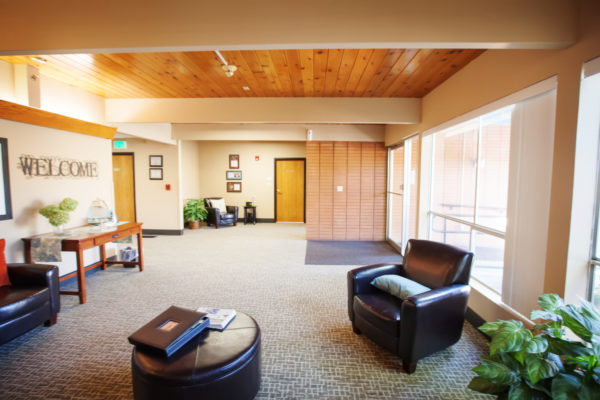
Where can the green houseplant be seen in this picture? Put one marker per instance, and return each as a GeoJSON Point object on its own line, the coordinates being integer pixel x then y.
{"type": "Point", "coordinates": [59, 215]}
{"type": "Point", "coordinates": [194, 212]}
{"type": "Point", "coordinates": [543, 363]}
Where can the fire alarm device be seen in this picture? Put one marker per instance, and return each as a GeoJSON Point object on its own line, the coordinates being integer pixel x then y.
{"type": "Point", "coordinates": [168, 186]}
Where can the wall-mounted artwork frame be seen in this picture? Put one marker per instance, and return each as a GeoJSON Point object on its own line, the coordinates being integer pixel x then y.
{"type": "Point", "coordinates": [5, 199]}
{"type": "Point", "coordinates": [234, 161]}
{"type": "Point", "coordinates": [233, 175]}
{"type": "Point", "coordinates": [156, 160]}
{"type": "Point", "coordinates": [234, 187]}
{"type": "Point", "coordinates": [156, 174]}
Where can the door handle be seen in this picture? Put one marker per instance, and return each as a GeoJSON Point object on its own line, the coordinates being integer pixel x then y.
{"type": "Point", "coordinates": [278, 191]}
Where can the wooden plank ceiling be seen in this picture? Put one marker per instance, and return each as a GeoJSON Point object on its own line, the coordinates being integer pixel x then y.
{"type": "Point", "coordinates": [267, 73]}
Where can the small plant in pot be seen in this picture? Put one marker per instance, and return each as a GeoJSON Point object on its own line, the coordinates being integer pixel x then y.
{"type": "Point", "coordinates": [58, 216]}
{"type": "Point", "coordinates": [194, 212]}
{"type": "Point", "coordinates": [543, 363]}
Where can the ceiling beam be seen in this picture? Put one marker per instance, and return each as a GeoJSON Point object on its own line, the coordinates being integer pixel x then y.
{"type": "Point", "coordinates": [72, 26]}
{"type": "Point", "coordinates": [285, 110]}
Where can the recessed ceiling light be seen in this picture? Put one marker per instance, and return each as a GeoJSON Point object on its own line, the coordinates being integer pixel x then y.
{"type": "Point", "coordinates": [39, 59]}
{"type": "Point", "coordinates": [245, 88]}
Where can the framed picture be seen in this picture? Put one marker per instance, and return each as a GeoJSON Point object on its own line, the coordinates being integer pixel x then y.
{"type": "Point", "coordinates": [234, 186]}
{"type": "Point", "coordinates": [5, 202]}
{"type": "Point", "coordinates": [234, 161]}
{"type": "Point", "coordinates": [156, 174]}
{"type": "Point", "coordinates": [156, 161]}
{"type": "Point", "coordinates": [233, 175]}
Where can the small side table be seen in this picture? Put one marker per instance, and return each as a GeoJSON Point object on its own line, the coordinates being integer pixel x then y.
{"type": "Point", "coordinates": [249, 214]}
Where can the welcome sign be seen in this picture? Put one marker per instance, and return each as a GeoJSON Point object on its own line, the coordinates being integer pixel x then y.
{"type": "Point", "coordinates": [55, 167]}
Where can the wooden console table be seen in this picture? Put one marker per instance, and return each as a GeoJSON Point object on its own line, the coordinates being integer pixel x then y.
{"type": "Point", "coordinates": [85, 238]}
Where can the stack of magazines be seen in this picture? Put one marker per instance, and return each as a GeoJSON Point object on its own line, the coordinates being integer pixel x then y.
{"type": "Point", "coordinates": [169, 331]}
{"type": "Point", "coordinates": [218, 318]}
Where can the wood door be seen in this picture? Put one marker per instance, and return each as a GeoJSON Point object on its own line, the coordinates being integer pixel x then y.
{"type": "Point", "coordinates": [124, 184]}
{"type": "Point", "coordinates": [289, 190]}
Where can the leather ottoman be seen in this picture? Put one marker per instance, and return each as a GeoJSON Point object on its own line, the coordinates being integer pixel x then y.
{"type": "Point", "coordinates": [215, 365]}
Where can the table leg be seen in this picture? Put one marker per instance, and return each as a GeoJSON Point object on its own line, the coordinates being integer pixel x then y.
{"type": "Point", "coordinates": [81, 276]}
{"type": "Point", "coordinates": [28, 259]}
{"type": "Point", "coordinates": [103, 256]}
{"type": "Point", "coordinates": [140, 250]}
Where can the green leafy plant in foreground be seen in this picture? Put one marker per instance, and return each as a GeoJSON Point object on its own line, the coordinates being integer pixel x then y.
{"type": "Point", "coordinates": [542, 363]}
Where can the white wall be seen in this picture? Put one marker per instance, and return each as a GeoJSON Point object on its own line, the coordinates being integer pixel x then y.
{"type": "Point", "coordinates": [156, 207]}
{"type": "Point", "coordinates": [190, 171]}
{"type": "Point", "coordinates": [156, 132]}
{"type": "Point", "coordinates": [278, 132]}
{"type": "Point", "coordinates": [7, 88]}
{"type": "Point", "coordinates": [257, 176]}
{"type": "Point", "coordinates": [68, 100]}
{"type": "Point", "coordinates": [285, 110]}
{"type": "Point", "coordinates": [29, 194]}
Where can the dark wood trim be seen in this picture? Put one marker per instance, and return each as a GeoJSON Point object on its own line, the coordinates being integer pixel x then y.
{"type": "Point", "coordinates": [132, 154]}
{"type": "Point", "coordinates": [6, 183]}
{"type": "Point", "coordinates": [171, 232]}
{"type": "Point", "coordinates": [275, 185]}
{"type": "Point", "coordinates": [267, 220]}
{"type": "Point", "coordinates": [475, 319]}
{"type": "Point", "coordinates": [35, 116]}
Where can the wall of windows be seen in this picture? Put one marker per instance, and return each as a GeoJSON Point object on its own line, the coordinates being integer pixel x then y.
{"type": "Point", "coordinates": [485, 187]}
{"type": "Point", "coordinates": [583, 266]}
{"type": "Point", "coordinates": [403, 163]}
{"type": "Point", "coordinates": [469, 191]}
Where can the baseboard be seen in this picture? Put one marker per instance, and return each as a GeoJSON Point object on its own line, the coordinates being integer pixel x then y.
{"type": "Point", "coordinates": [172, 232]}
{"type": "Point", "coordinates": [475, 319]}
{"type": "Point", "coordinates": [271, 220]}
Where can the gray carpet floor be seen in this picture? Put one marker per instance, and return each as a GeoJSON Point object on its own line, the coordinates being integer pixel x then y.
{"type": "Point", "coordinates": [350, 253]}
{"type": "Point", "coordinates": [308, 348]}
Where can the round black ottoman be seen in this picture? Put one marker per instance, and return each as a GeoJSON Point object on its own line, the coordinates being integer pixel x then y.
{"type": "Point", "coordinates": [216, 365]}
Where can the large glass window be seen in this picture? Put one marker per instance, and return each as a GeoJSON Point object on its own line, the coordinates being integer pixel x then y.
{"type": "Point", "coordinates": [469, 191]}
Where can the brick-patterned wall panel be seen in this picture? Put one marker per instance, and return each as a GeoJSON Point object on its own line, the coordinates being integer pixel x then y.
{"type": "Point", "coordinates": [312, 191]}
{"type": "Point", "coordinates": [340, 173]}
{"type": "Point", "coordinates": [326, 191]}
{"type": "Point", "coordinates": [367, 191]}
{"type": "Point", "coordinates": [353, 192]}
{"type": "Point", "coordinates": [358, 212]}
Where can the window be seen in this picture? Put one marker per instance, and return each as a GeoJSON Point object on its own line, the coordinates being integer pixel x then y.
{"type": "Point", "coordinates": [594, 291]}
{"type": "Point", "coordinates": [402, 192]}
{"type": "Point", "coordinates": [469, 191]}
{"type": "Point", "coordinates": [486, 180]}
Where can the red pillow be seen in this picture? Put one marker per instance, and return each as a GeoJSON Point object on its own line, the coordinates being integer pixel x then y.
{"type": "Point", "coordinates": [4, 281]}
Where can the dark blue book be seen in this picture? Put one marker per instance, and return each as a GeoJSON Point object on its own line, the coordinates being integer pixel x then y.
{"type": "Point", "coordinates": [169, 331]}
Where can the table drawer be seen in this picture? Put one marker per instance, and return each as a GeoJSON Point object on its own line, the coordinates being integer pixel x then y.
{"type": "Point", "coordinates": [109, 237]}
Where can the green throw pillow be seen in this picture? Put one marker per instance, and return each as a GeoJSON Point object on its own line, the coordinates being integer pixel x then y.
{"type": "Point", "coordinates": [399, 286]}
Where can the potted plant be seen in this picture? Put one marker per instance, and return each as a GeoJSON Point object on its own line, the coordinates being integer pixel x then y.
{"type": "Point", "coordinates": [543, 362]}
{"type": "Point", "coordinates": [58, 216]}
{"type": "Point", "coordinates": [194, 212]}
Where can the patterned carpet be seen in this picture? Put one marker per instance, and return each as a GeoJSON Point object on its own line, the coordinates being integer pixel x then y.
{"type": "Point", "coordinates": [308, 348]}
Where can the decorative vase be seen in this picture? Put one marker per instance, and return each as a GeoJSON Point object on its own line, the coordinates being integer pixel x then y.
{"type": "Point", "coordinates": [59, 229]}
{"type": "Point", "coordinates": [193, 224]}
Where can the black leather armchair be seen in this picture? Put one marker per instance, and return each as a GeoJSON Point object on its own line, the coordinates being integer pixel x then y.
{"type": "Point", "coordinates": [32, 299]}
{"type": "Point", "coordinates": [218, 217]}
{"type": "Point", "coordinates": [424, 323]}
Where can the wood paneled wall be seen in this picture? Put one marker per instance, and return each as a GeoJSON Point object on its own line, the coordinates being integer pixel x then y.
{"type": "Point", "coordinates": [359, 211]}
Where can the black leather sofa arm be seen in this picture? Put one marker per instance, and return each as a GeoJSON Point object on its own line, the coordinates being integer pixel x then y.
{"type": "Point", "coordinates": [433, 320]}
{"type": "Point", "coordinates": [439, 295]}
{"type": "Point", "coordinates": [232, 209]}
{"type": "Point", "coordinates": [213, 211]}
{"type": "Point", "coordinates": [37, 275]}
{"type": "Point", "coordinates": [359, 280]}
